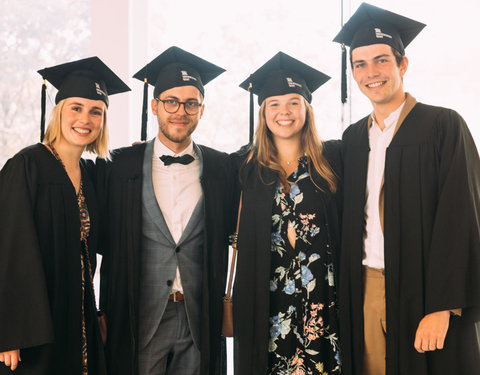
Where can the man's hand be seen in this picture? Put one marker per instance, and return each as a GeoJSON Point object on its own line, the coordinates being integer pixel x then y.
{"type": "Point", "coordinates": [11, 358]}
{"type": "Point", "coordinates": [431, 331]}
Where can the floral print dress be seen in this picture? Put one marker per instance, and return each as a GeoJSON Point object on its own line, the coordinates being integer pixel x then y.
{"type": "Point", "coordinates": [303, 312]}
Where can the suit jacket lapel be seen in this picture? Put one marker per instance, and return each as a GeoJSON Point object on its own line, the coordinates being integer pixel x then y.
{"type": "Point", "coordinates": [199, 208]}
{"type": "Point", "coordinates": [148, 194]}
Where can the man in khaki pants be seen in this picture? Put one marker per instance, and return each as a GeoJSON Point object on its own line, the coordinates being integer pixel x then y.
{"type": "Point", "coordinates": [410, 268]}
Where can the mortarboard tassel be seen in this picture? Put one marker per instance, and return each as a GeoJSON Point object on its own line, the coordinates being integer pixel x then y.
{"type": "Point", "coordinates": [143, 135]}
{"type": "Point", "coordinates": [344, 74]}
{"type": "Point", "coordinates": [42, 106]}
{"type": "Point", "coordinates": [250, 135]}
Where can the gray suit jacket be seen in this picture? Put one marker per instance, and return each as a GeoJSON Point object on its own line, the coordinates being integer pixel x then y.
{"type": "Point", "coordinates": [160, 256]}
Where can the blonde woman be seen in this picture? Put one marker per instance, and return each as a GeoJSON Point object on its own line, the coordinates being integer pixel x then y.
{"type": "Point", "coordinates": [285, 312]}
{"type": "Point", "coordinates": [48, 232]}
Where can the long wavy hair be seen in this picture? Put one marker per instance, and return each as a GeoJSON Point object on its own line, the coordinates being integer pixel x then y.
{"type": "Point", "coordinates": [267, 154]}
{"type": "Point", "coordinates": [54, 131]}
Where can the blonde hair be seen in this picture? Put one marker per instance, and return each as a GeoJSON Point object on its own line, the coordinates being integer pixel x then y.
{"type": "Point", "coordinates": [54, 132]}
{"type": "Point", "coordinates": [267, 153]}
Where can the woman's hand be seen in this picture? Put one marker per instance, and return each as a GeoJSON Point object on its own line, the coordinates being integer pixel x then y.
{"type": "Point", "coordinates": [11, 358]}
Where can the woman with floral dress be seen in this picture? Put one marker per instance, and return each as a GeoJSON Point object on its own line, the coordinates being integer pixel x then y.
{"type": "Point", "coordinates": [285, 312]}
{"type": "Point", "coordinates": [49, 232]}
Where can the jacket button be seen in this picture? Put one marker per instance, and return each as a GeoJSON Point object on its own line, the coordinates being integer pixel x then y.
{"type": "Point", "coordinates": [169, 282]}
{"type": "Point", "coordinates": [177, 249]}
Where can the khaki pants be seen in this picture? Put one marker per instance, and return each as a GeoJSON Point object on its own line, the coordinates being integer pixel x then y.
{"type": "Point", "coordinates": [375, 323]}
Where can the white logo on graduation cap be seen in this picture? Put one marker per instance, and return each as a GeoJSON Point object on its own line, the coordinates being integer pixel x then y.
{"type": "Point", "coordinates": [186, 76]}
{"type": "Point", "coordinates": [291, 83]}
{"type": "Point", "coordinates": [99, 90]}
{"type": "Point", "coordinates": [380, 35]}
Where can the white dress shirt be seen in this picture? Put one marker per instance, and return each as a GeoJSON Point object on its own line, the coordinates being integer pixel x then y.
{"type": "Point", "coordinates": [177, 189]}
{"type": "Point", "coordinates": [373, 240]}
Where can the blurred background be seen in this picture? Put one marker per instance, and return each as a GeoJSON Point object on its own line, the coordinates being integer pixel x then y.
{"type": "Point", "coordinates": [237, 35]}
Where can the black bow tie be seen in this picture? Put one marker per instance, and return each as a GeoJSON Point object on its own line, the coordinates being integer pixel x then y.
{"type": "Point", "coordinates": [185, 159]}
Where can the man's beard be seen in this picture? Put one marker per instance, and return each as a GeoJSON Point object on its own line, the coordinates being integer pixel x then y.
{"type": "Point", "coordinates": [172, 135]}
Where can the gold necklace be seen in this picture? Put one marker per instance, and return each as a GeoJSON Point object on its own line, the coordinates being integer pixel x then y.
{"type": "Point", "coordinates": [291, 161]}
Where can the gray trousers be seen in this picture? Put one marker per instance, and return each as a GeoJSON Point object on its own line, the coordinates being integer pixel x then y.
{"type": "Point", "coordinates": [171, 350]}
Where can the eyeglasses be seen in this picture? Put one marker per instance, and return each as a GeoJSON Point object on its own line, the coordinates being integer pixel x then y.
{"type": "Point", "coordinates": [172, 106]}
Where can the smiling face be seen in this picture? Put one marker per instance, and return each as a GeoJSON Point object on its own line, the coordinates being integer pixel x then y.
{"type": "Point", "coordinates": [285, 115]}
{"type": "Point", "coordinates": [378, 75]}
{"type": "Point", "coordinates": [175, 129]}
{"type": "Point", "coordinates": [81, 121]}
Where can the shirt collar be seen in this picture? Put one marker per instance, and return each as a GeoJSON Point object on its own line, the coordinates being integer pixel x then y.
{"type": "Point", "coordinates": [391, 120]}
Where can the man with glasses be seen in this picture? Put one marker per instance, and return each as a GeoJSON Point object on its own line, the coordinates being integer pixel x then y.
{"type": "Point", "coordinates": [167, 219]}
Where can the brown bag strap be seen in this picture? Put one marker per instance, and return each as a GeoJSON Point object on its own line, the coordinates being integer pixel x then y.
{"type": "Point", "coordinates": [234, 253]}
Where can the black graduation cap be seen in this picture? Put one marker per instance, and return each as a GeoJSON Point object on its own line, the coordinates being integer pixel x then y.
{"type": "Point", "coordinates": [88, 78]}
{"type": "Point", "coordinates": [174, 68]}
{"type": "Point", "coordinates": [281, 75]}
{"type": "Point", "coordinates": [374, 25]}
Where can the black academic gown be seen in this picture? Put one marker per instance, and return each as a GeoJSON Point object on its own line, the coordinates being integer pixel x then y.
{"type": "Point", "coordinates": [251, 292]}
{"type": "Point", "coordinates": [40, 270]}
{"type": "Point", "coordinates": [120, 190]}
{"type": "Point", "coordinates": [432, 244]}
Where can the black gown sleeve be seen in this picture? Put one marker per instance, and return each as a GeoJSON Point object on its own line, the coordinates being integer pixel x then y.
{"type": "Point", "coordinates": [25, 317]}
{"type": "Point", "coordinates": [100, 180]}
{"type": "Point", "coordinates": [332, 150]}
{"type": "Point", "coordinates": [453, 271]}
{"type": "Point", "coordinates": [237, 162]}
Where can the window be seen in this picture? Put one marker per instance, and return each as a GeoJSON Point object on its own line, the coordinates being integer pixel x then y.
{"type": "Point", "coordinates": [35, 34]}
